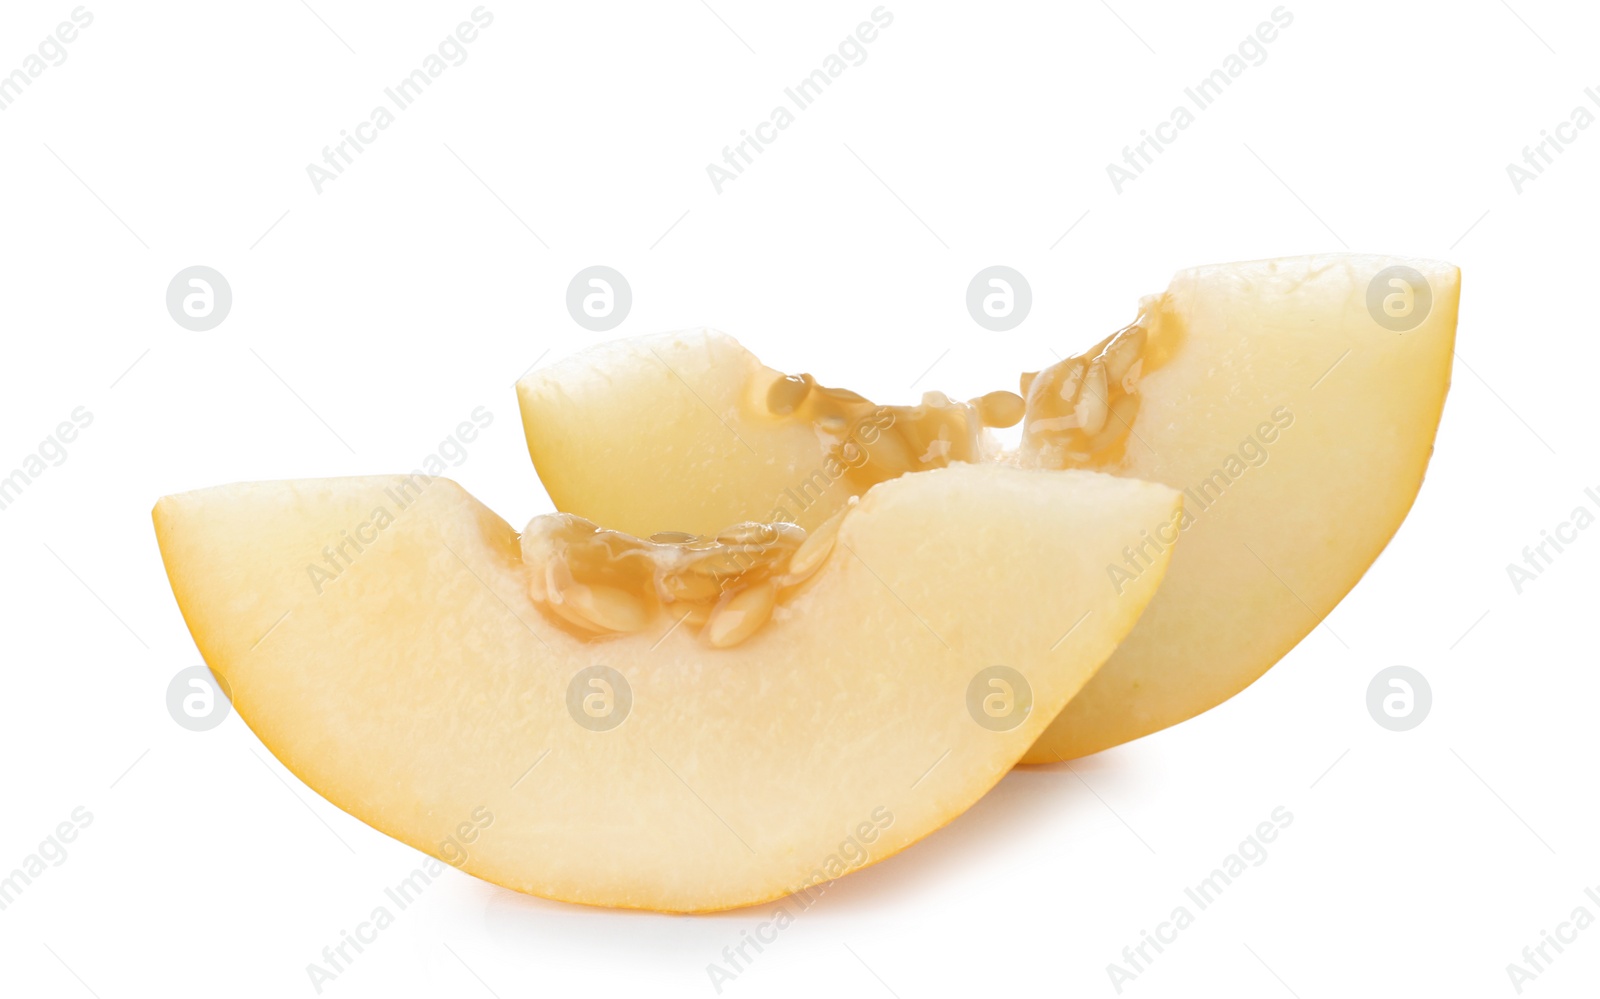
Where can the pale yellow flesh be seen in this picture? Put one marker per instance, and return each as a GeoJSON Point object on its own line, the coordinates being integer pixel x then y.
{"type": "Point", "coordinates": [671, 410]}
{"type": "Point", "coordinates": [653, 433]}
{"type": "Point", "coordinates": [420, 686]}
{"type": "Point", "coordinates": [1270, 552]}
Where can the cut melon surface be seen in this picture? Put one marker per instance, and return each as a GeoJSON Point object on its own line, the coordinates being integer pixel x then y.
{"type": "Point", "coordinates": [1292, 401]}
{"type": "Point", "coordinates": [705, 455]}
{"type": "Point", "coordinates": [383, 638]}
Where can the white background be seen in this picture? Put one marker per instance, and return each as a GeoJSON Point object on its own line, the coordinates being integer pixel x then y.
{"type": "Point", "coordinates": [370, 319]}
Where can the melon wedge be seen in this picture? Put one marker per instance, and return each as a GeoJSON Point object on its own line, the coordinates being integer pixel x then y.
{"type": "Point", "coordinates": [379, 636]}
{"type": "Point", "coordinates": [1293, 401]}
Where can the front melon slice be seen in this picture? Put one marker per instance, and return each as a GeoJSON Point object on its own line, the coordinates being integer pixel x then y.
{"type": "Point", "coordinates": [388, 641]}
{"type": "Point", "coordinates": [1292, 400]}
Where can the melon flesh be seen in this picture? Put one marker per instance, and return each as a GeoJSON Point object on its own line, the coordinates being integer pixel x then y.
{"type": "Point", "coordinates": [424, 692]}
{"type": "Point", "coordinates": [1283, 350]}
{"type": "Point", "coordinates": [672, 433]}
{"type": "Point", "coordinates": [663, 433]}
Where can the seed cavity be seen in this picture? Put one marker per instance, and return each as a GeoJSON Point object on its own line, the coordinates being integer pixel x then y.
{"type": "Point", "coordinates": [1080, 411]}
{"type": "Point", "coordinates": [871, 443]}
{"type": "Point", "coordinates": [1077, 413]}
{"type": "Point", "coordinates": [597, 584]}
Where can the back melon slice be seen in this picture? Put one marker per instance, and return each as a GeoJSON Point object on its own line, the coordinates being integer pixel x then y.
{"type": "Point", "coordinates": [395, 644]}
{"type": "Point", "coordinates": [1294, 402]}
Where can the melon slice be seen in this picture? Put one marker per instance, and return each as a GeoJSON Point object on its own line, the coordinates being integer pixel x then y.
{"type": "Point", "coordinates": [1294, 401]}
{"type": "Point", "coordinates": [517, 706]}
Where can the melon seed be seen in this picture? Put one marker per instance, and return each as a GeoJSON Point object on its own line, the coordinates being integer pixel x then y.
{"type": "Point", "coordinates": [740, 615]}
{"type": "Point", "coordinates": [1131, 379]}
{"type": "Point", "coordinates": [603, 608]}
{"type": "Point", "coordinates": [814, 551]}
{"type": "Point", "coordinates": [749, 533]}
{"type": "Point", "coordinates": [1123, 352]}
{"type": "Point", "coordinates": [1120, 421]}
{"type": "Point", "coordinates": [691, 587]}
{"type": "Point", "coordinates": [999, 409]}
{"type": "Point", "coordinates": [1091, 408]}
{"type": "Point", "coordinates": [673, 538]}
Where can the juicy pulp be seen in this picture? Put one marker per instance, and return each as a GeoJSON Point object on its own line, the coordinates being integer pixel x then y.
{"type": "Point", "coordinates": [416, 684]}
